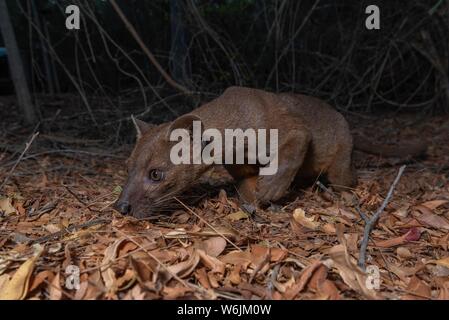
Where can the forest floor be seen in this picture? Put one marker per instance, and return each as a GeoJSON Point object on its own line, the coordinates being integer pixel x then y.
{"type": "Point", "coordinates": [56, 218]}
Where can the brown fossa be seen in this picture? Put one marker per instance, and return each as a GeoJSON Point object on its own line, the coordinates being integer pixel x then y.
{"type": "Point", "coordinates": [313, 140]}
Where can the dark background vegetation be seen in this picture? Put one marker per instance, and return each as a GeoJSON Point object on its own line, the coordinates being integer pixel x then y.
{"type": "Point", "coordinates": [99, 75]}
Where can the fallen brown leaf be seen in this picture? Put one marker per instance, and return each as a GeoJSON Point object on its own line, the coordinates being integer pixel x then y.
{"type": "Point", "coordinates": [351, 274]}
{"type": "Point", "coordinates": [213, 246]}
{"type": "Point", "coordinates": [17, 287]}
{"type": "Point", "coordinates": [301, 283]}
{"type": "Point", "coordinates": [411, 235]}
{"type": "Point", "coordinates": [6, 206]}
{"type": "Point", "coordinates": [54, 289]}
{"type": "Point", "coordinates": [427, 217]}
{"type": "Point", "coordinates": [434, 204]}
{"type": "Point", "coordinates": [299, 216]}
{"type": "Point", "coordinates": [239, 215]}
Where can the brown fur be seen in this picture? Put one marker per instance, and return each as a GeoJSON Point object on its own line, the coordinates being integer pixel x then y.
{"type": "Point", "coordinates": [314, 139]}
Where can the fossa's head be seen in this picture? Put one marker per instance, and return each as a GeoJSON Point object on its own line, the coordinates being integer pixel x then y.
{"type": "Point", "coordinates": [153, 179]}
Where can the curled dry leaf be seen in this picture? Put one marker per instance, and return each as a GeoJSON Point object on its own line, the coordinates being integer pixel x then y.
{"type": "Point", "coordinates": [185, 268]}
{"type": "Point", "coordinates": [143, 271]}
{"type": "Point", "coordinates": [234, 277]}
{"type": "Point", "coordinates": [213, 280]}
{"type": "Point", "coordinates": [318, 277]}
{"type": "Point", "coordinates": [107, 273]}
{"type": "Point", "coordinates": [412, 235]}
{"type": "Point", "coordinates": [6, 206]}
{"type": "Point", "coordinates": [351, 274]}
{"type": "Point", "coordinates": [283, 287]}
{"type": "Point", "coordinates": [299, 216]}
{"type": "Point", "coordinates": [212, 263]}
{"type": "Point", "coordinates": [53, 248]}
{"type": "Point", "coordinates": [128, 246]}
{"type": "Point", "coordinates": [324, 288]}
{"type": "Point", "coordinates": [39, 279]}
{"type": "Point", "coordinates": [17, 287]}
{"type": "Point", "coordinates": [402, 212]}
{"type": "Point", "coordinates": [201, 276]}
{"type": "Point", "coordinates": [301, 283]}
{"type": "Point", "coordinates": [328, 291]}
{"type": "Point", "coordinates": [126, 280]}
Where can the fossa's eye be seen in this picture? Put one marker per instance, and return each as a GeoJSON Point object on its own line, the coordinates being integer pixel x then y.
{"type": "Point", "coordinates": [156, 175]}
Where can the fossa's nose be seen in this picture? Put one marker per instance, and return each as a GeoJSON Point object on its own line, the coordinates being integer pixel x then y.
{"type": "Point", "coordinates": [123, 207]}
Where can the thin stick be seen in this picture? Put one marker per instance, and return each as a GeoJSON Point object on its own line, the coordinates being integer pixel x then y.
{"type": "Point", "coordinates": [370, 223]}
{"type": "Point", "coordinates": [147, 51]}
{"type": "Point", "coordinates": [326, 189]}
{"type": "Point", "coordinates": [69, 229]}
{"type": "Point", "coordinates": [208, 224]}
{"type": "Point", "coordinates": [27, 146]}
{"type": "Point", "coordinates": [85, 205]}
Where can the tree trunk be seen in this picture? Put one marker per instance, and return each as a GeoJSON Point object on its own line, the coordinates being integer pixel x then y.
{"type": "Point", "coordinates": [179, 60]}
{"type": "Point", "coordinates": [16, 66]}
{"type": "Point", "coordinates": [44, 50]}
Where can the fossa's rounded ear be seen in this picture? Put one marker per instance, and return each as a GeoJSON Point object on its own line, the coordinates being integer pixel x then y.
{"type": "Point", "coordinates": [183, 122]}
{"type": "Point", "coordinates": [141, 126]}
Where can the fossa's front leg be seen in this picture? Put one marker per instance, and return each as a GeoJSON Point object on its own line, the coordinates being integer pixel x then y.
{"type": "Point", "coordinates": [292, 149]}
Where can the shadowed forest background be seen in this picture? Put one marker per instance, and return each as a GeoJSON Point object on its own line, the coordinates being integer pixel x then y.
{"type": "Point", "coordinates": [321, 48]}
{"type": "Point", "coordinates": [66, 131]}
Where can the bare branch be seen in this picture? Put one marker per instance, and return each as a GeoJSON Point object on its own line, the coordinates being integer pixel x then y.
{"type": "Point", "coordinates": [370, 223]}
{"type": "Point", "coordinates": [27, 146]}
{"type": "Point", "coordinates": [147, 51]}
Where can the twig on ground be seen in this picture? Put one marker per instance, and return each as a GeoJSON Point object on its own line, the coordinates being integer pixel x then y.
{"type": "Point", "coordinates": [57, 235]}
{"type": "Point", "coordinates": [273, 279]}
{"type": "Point", "coordinates": [327, 190]}
{"type": "Point", "coordinates": [371, 222]}
{"type": "Point", "coordinates": [208, 224]}
{"type": "Point", "coordinates": [85, 205]}
{"type": "Point", "coordinates": [27, 146]}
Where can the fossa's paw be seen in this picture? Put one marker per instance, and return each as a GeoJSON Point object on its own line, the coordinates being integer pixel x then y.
{"type": "Point", "coordinates": [271, 188]}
